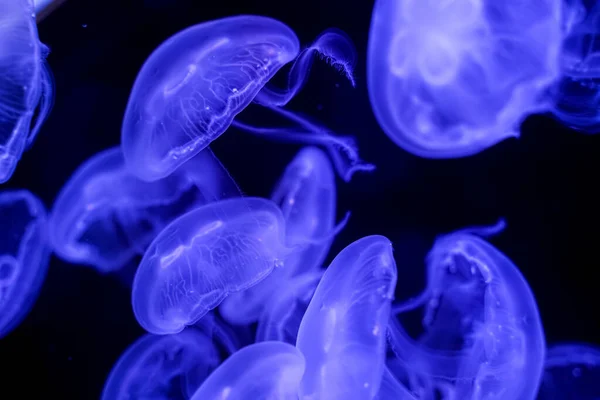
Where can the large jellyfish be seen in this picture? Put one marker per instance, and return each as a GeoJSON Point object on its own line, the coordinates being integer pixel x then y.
{"type": "Point", "coordinates": [204, 255]}
{"type": "Point", "coordinates": [343, 332]}
{"type": "Point", "coordinates": [104, 215]}
{"type": "Point", "coordinates": [306, 195]}
{"type": "Point", "coordinates": [261, 371]}
{"type": "Point", "coordinates": [572, 372]}
{"type": "Point", "coordinates": [482, 337]}
{"type": "Point", "coordinates": [450, 78]}
{"type": "Point", "coordinates": [577, 94]}
{"type": "Point", "coordinates": [24, 255]}
{"type": "Point", "coordinates": [193, 85]}
{"type": "Point", "coordinates": [26, 83]}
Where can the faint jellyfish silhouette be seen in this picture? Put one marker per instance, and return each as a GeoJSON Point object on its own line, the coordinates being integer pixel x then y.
{"type": "Point", "coordinates": [482, 335]}
{"type": "Point", "coordinates": [163, 367]}
{"type": "Point", "coordinates": [306, 194]}
{"type": "Point", "coordinates": [104, 215]}
{"type": "Point", "coordinates": [193, 85]}
{"type": "Point", "coordinates": [343, 332]}
{"type": "Point", "coordinates": [577, 94]}
{"type": "Point", "coordinates": [571, 371]}
{"type": "Point", "coordinates": [261, 371]}
{"type": "Point", "coordinates": [202, 257]}
{"type": "Point", "coordinates": [26, 83]}
{"type": "Point", "coordinates": [24, 255]}
{"type": "Point", "coordinates": [450, 78]}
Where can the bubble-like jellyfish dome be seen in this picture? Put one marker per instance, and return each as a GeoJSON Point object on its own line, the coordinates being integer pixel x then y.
{"type": "Point", "coordinates": [204, 255]}
{"type": "Point", "coordinates": [450, 78]}
{"type": "Point", "coordinates": [482, 337]}
{"type": "Point", "coordinates": [24, 255]}
{"type": "Point", "coordinates": [25, 83]}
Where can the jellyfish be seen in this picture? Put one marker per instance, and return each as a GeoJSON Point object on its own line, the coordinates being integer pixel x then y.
{"type": "Point", "coordinates": [280, 320]}
{"type": "Point", "coordinates": [193, 85]}
{"type": "Point", "coordinates": [163, 367]}
{"type": "Point", "coordinates": [571, 371]}
{"type": "Point", "coordinates": [577, 93]}
{"type": "Point", "coordinates": [26, 83]}
{"type": "Point", "coordinates": [343, 332]}
{"type": "Point", "coordinates": [306, 195]}
{"type": "Point", "coordinates": [481, 335]}
{"type": "Point", "coordinates": [104, 216]}
{"type": "Point", "coordinates": [261, 371]}
{"type": "Point", "coordinates": [450, 78]}
{"type": "Point", "coordinates": [24, 255]}
{"type": "Point", "coordinates": [201, 257]}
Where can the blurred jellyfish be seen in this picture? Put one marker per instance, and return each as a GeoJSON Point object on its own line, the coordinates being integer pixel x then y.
{"type": "Point", "coordinates": [192, 87]}
{"type": "Point", "coordinates": [577, 94]}
{"type": "Point", "coordinates": [24, 254]}
{"type": "Point", "coordinates": [572, 372]}
{"type": "Point", "coordinates": [450, 78]}
{"type": "Point", "coordinates": [482, 337]}
{"type": "Point", "coordinates": [163, 367]}
{"type": "Point", "coordinates": [104, 215]}
{"type": "Point", "coordinates": [343, 333]}
{"type": "Point", "coordinates": [306, 195]}
{"type": "Point", "coordinates": [261, 371]}
{"type": "Point", "coordinates": [202, 257]}
{"type": "Point", "coordinates": [26, 83]}
{"type": "Point", "coordinates": [281, 319]}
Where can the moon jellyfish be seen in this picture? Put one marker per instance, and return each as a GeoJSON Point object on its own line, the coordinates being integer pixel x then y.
{"type": "Point", "coordinates": [104, 215]}
{"type": "Point", "coordinates": [343, 333]}
{"type": "Point", "coordinates": [203, 256]}
{"type": "Point", "coordinates": [306, 195]}
{"type": "Point", "coordinates": [577, 94]}
{"type": "Point", "coordinates": [193, 85]}
{"type": "Point", "coordinates": [24, 255]}
{"type": "Point", "coordinates": [163, 367]}
{"type": "Point", "coordinates": [450, 78]}
{"type": "Point", "coordinates": [26, 83]}
{"type": "Point", "coordinates": [572, 372]}
{"type": "Point", "coordinates": [261, 371]}
{"type": "Point", "coordinates": [281, 319]}
{"type": "Point", "coordinates": [482, 337]}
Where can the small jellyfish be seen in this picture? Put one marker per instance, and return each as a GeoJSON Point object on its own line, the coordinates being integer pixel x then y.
{"type": "Point", "coordinates": [306, 195]}
{"type": "Point", "coordinates": [163, 367]}
{"type": "Point", "coordinates": [24, 255]}
{"type": "Point", "coordinates": [571, 372]}
{"type": "Point", "coordinates": [193, 85]}
{"type": "Point", "coordinates": [203, 256]}
{"type": "Point", "coordinates": [481, 334]}
{"type": "Point", "coordinates": [261, 371]}
{"type": "Point", "coordinates": [343, 332]}
{"type": "Point", "coordinates": [26, 83]}
{"type": "Point", "coordinates": [450, 78]}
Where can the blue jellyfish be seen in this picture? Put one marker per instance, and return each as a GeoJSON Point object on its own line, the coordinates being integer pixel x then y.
{"type": "Point", "coordinates": [577, 94]}
{"type": "Point", "coordinates": [192, 87]}
{"type": "Point", "coordinates": [196, 261]}
{"type": "Point", "coordinates": [306, 195]}
{"type": "Point", "coordinates": [26, 83]}
{"type": "Point", "coordinates": [280, 320]}
{"type": "Point", "coordinates": [482, 336]}
{"type": "Point", "coordinates": [163, 367]}
{"type": "Point", "coordinates": [24, 255]}
{"type": "Point", "coordinates": [343, 332]}
{"type": "Point", "coordinates": [104, 215]}
{"type": "Point", "coordinates": [571, 372]}
{"type": "Point", "coordinates": [450, 78]}
{"type": "Point", "coordinates": [261, 371]}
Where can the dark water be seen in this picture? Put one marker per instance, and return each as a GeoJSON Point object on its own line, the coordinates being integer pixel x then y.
{"type": "Point", "coordinates": [544, 184]}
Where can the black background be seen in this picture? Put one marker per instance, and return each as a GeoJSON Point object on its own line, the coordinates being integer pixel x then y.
{"type": "Point", "coordinates": [544, 184]}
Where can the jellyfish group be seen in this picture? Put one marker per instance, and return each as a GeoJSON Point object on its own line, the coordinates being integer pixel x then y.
{"type": "Point", "coordinates": [235, 290]}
